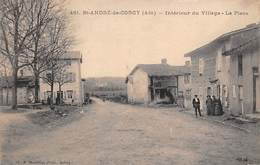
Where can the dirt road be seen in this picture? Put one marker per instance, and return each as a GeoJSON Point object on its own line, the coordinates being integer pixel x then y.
{"type": "Point", "coordinates": [115, 134]}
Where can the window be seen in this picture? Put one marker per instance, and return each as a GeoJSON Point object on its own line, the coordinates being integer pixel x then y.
{"type": "Point", "coordinates": [71, 77]}
{"type": "Point", "coordinates": [69, 94]}
{"type": "Point", "coordinates": [68, 62]}
{"type": "Point", "coordinates": [218, 90]}
{"type": "Point", "coordinates": [223, 49]}
{"type": "Point", "coordinates": [240, 90]}
{"type": "Point", "coordinates": [240, 65]}
{"type": "Point", "coordinates": [201, 66]}
{"type": "Point", "coordinates": [200, 91]}
{"type": "Point", "coordinates": [224, 91]}
{"type": "Point", "coordinates": [21, 73]}
{"type": "Point", "coordinates": [162, 93]}
{"type": "Point", "coordinates": [209, 91]}
{"type": "Point", "coordinates": [219, 62]}
{"type": "Point", "coordinates": [187, 78]}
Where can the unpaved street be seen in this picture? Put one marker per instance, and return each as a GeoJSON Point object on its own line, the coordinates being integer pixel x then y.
{"type": "Point", "coordinates": [115, 134]}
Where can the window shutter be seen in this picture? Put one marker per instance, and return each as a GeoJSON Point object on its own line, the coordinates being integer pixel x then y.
{"type": "Point", "coordinates": [234, 91]}
{"type": "Point", "coordinates": [201, 65]}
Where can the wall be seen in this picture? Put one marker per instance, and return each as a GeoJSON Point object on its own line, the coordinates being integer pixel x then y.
{"type": "Point", "coordinates": [23, 95]}
{"type": "Point", "coordinates": [186, 89]}
{"type": "Point", "coordinates": [215, 78]}
{"type": "Point", "coordinates": [137, 92]}
{"type": "Point", "coordinates": [76, 86]}
{"type": "Point", "coordinates": [250, 59]}
{"type": "Point", "coordinates": [200, 83]}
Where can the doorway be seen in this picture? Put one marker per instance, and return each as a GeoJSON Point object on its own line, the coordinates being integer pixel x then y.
{"type": "Point", "coordinates": [59, 97]}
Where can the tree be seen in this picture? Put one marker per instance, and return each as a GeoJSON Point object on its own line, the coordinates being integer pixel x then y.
{"type": "Point", "coordinates": [15, 37]}
{"type": "Point", "coordinates": [45, 13]}
{"type": "Point", "coordinates": [32, 33]}
{"type": "Point", "coordinates": [4, 76]}
{"type": "Point", "coordinates": [59, 43]}
{"type": "Point", "coordinates": [62, 77]}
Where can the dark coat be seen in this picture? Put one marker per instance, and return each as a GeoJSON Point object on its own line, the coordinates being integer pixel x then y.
{"type": "Point", "coordinates": [196, 103]}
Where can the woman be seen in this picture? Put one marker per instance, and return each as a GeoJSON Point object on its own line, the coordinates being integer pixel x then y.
{"type": "Point", "coordinates": [209, 105]}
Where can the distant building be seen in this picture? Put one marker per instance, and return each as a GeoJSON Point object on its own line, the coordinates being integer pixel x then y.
{"type": "Point", "coordinates": [105, 86]}
{"type": "Point", "coordinates": [215, 72]}
{"type": "Point", "coordinates": [71, 92]}
{"type": "Point", "coordinates": [153, 83]}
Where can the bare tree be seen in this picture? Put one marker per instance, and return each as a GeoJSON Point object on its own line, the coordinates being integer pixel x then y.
{"type": "Point", "coordinates": [32, 33]}
{"type": "Point", "coordinates": [62, 78]}
{"type": "Point", "coordinates": [45, 13]}
{"type": "Point", "coordinates": [15, 37]}
{"type": "Point", "coordinates": [4, 69]}
{"type": "Point", "coordinates": [60, 42]}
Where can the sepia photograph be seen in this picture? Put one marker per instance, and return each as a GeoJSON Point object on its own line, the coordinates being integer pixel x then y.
{"type": "Point", "coordinates": [120, 82]}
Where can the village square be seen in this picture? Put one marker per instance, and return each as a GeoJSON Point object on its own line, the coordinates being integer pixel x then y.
{"type": "Point", "coordinates": [65, 103]}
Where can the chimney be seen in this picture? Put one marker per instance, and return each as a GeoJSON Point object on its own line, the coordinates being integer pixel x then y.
{"type": "Point", "coordinates": [164, 61]}
{"type": "Point", "coordinates": [187, 63]}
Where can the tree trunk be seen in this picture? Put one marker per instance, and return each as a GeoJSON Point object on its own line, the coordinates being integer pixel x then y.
{"type": "Point", "coordinates": [7, 95]}
{"type": "Point", "coordinates": [60, 94]}
{"type": "Point", "coordinates": [14, 89]}
{"type": "Point", "coordinates": [36, 88]}
{"type": "Point", "coordinates": [52, 84]}
{"type": "Point", "coordinates": [51, 100]}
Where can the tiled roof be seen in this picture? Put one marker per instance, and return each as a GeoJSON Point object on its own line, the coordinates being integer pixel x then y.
{"type": "Point", "coordinates": [223, 37]}
{"type": "Point", "coordinates": [27, 81]}
{"type": "Point", "coordinates": [161, 69]}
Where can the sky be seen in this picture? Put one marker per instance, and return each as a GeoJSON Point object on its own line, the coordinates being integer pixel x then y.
{"type": "Point", "coordinates": [112, 45]}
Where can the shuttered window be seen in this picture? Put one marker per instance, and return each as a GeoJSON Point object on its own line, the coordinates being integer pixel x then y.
{"type": "Point", "coordinates": [240, 65]}
{"type": "Point", "coordinates": [201, 66]}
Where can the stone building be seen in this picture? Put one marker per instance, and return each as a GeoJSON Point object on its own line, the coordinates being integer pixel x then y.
{"type": "Point", "coordinates": [153, 83]}
{"type": "Point", "coordinates": [212, 72]}
{"type": "Point", "coordinates": [244, 67]}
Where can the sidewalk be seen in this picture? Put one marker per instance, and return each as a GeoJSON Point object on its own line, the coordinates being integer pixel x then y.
{"type": "Point", "coordinates": [250, 124]}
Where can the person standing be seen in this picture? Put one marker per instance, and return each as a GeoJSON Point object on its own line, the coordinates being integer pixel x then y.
{"type": "Point", "coordinates": [196, 105]}
{"type": "Point", "coordinates": [209, 105]}
{"type": "Point", "coordinates": [214, 105]}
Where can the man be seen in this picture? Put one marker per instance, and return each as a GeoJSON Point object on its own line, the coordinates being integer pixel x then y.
{"type": "Point", "coordinates": [196, 105]}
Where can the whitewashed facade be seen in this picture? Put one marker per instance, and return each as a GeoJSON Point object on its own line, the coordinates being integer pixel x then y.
{"type": "Point", "coordinates": [71, 92]}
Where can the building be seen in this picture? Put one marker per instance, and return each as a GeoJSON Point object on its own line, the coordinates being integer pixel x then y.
{"type": "Point", "coordinates": [244, 67]}
{"type": "Point", "coordinates": [72, 91]}
{"type": "Point", "coordinates": [25, 90]}
{"type": "Point", "coordinates": [107, 87]}
{"type": "Point", "coordinates": [212, 72]}
{"type": "Point", "coordinates": [25, 84]}
{"type": "Point", "coordinates": [153, 83]}
{"type": "Point", "coordinates": [184, 83]}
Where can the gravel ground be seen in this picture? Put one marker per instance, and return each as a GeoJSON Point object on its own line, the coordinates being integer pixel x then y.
{"type": "Point", "coordinates": [114, 134]}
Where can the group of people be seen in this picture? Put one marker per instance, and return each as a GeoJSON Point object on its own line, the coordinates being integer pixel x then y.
{"type": "Point", "coordinates": [214, 106]}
